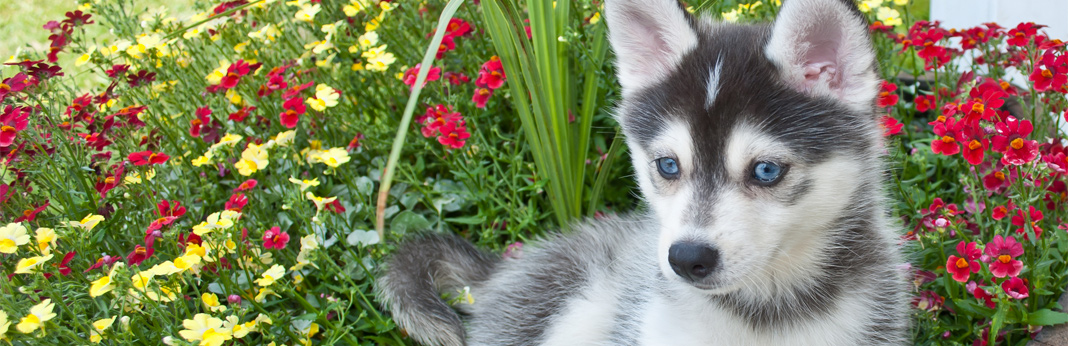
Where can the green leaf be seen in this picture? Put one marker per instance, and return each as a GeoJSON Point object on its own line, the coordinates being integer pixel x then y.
{"type": "Point", "coordinates": [406, 221]}
{"type": "Point", "coordinates": [1046, 317]}
{"type": "Point", "coordinates": [466, 220]}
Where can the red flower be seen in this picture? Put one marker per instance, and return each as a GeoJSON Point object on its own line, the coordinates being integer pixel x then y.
{"type": "Point", "coordinates": [925, 103]}
{"type": "Point", "coordinates": [166, 209]}
{"type": "Point", "coordinates": [945, 143]}
{"type": "Point", "coordinates": [237, 202]}
{"type": "Point", "coordinates": [1000, 212]}
{"type": "Point", "coordinates": [63, 268]}
{"type": "Point", "coordinates": [139, 78]}
{"type": "Point", "coordinates": [117, 71]}
{"type": "Point", "coordinates": [974, 144]}
{"type": "Point", "coordinates": [457, 27]}
{"type": "Point", "coordinates": [1035, 216]}
{"type": "Point", "coordinates": [1010, 141]}
{"type": "Point", "coordinates": [109, 182]}
{"type": "Point", "coordinates": [481, 96]}
{"type": "Point", "coordinates": [1022, 34]}
{"type": "Point", "coordinates": [139, 254]}
{"type": "Point", "coordinates": [412, 73]}
{"type": "Point", "coordinates": [247, 185]}
{"type": "Point", "coordinates": [241, 114]}
{"type": "Point", "coordinates": [294, 107]}
{"type": "Point", "coordinates": [1015, 288]}
{"type": "Point", "coordinates": [30, 214]}
{"type": "Point", "coordinates": [147, 157]}
{"type": "Point", "coordinates": [335, 207]}
{"type": "Point", "coordinates": [491, 75]}
{"type": "Point", "coordinates": [234, 74]}
{"type": "Point", "coordinates": [202, 120]}
{"type": "Point", "coordinates": [983, 295]}
{"type": "Point", "coordinates": [995, 180]}
{"type": "Point", "coordinates": [928, 301]}
{"type": "Point", "coordinates": [985, 99]}
{"type": "Point", "coordinates": [453, 134]}
{"type": "Point", "coordinates": [962, 267]}
{"type": "Point", "coordinates": [887, 97]}
{"type": "Point", "coordinates": [435, 118]}
{"type": "Point", "coordinates": [1049, 73]}
{"type": "Point", "coordinates": [274, 238]}
{"type": "Point", "coordinates": [12, 120]}
{"type": "Point", "coordinates": [1004, 250]}
{"type": "Point", "coordinates": [447, 44]}
{"type": "Point", "coordinates": [13, 84]}
{"type": "Point", "coordinates": [456, 78]}
{"type": "Point", "coordinates": [355, 142]}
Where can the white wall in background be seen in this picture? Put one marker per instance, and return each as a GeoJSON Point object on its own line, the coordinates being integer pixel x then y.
{"type": "Point", "coordinates": [1007, 13]}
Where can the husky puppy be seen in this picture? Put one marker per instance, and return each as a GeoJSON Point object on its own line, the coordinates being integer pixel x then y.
{"type": "Point", "coordinates": [759, 155]}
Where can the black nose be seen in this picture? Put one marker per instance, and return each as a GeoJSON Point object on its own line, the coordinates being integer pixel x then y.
{"type": "Point", "coordinates": [692, 261]}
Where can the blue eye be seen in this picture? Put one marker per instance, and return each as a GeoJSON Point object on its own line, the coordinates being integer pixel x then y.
{"type": "Point", "coordinates": [669, 169]}
{"type": "Point", "coordinates": [767, 173]}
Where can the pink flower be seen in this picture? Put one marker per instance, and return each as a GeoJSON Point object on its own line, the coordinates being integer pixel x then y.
{"type": "Point", "coordinates": [925, 103]}
{"type": "Point", "coordinates": [887, 97]}
{"type": "Point", "coordinates": [995, 180]}
{"type": "Point", "coordinates": [945, 143]}
{"type": "Point", "coordinates": [454, 134]}
{"type": "Point", "coordinates": [962, 267]}
{"type": "Point", "coordinates": [147, 157]}
{"type": "Point", "coordinates": [481, 96]}
{"type": "Point", "coordinates": [1004, 250]}
{"type": "Point", "coordinates": [982, 295]}
{"type": "Point", "coordinates": [247, 185]}
{"type": "Point", "coordinates": [412, 73]}
{"type": "Point", "coordinates": [974, 144]}
{"type": "Point", "coordinates": [1035, 216]}
{"type": "Point", "coordinates": [890, 126]}
{"type": "Point", "coordinates": [274, 238]}
{"type": "Point", "coordinates": [491, 75]}
{"type": "Point", "coordinates": [139, 254]}
{"type": "Point", "coordinates": [1015, 288]}
{"type": "Point", "coordinates": [1010, 141]}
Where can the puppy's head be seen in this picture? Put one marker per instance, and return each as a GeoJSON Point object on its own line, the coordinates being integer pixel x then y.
{"type": "Point", "coordinates": [748, 141]}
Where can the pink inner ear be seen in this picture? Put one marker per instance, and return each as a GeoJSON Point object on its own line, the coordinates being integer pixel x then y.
{"type": "Point", "coordinates": [820, 72]}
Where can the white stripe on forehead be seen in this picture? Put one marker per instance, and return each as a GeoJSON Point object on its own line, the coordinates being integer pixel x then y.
{"type": "Point", "coordinates": [713, 83]}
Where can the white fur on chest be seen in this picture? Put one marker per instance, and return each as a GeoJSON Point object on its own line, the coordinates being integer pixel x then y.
{"type": "Point", "coordinates": [666, 323]}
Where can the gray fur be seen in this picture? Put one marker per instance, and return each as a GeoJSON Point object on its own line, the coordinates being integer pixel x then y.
{"type": "Point", "coordinates": [604, 274]}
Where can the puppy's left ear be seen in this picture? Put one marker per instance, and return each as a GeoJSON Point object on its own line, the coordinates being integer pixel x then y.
{"type": "Point", "coordinates": [822, 48]}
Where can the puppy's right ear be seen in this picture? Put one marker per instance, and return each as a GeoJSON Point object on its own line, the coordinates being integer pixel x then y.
{"type": "Point", "coordinates": [649, 38]}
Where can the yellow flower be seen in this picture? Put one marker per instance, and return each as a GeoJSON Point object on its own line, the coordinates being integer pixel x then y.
{"type": "Point", "coordinates": [334, 157]}
{"type": "Point", "coordinates": [901, 2]}
{"type": "Point", "coordinates": [307, 13]}
{"type": "Point", "coordinates": [88, 222]}
{"type": "Point", "coordinates": [164, 269]}
{"type": "Point", "coordinates": [354, 7]}
{"type": "Point", "coordinates": [99, 326]}
{"type": "Point", "coordinates": [240, 47]}
{"type": "Point", "coordinates": [731, 16]}
{"type": "Point", "coordinates": [307, 245]}
{"type": "Point", "coordinates": [368, 39]}
{"type": "Point", "coordinates": [219, 221]}
{"type": "Point", "coordinates": [206, 329]}
{"type": "Point", "coordinates": [325, 97]}
{"type": "Point", "coordinates": [320, 202]}
{"type": "Point", "coordinates": [29, 265]}
{"type": "Point", "coordinates": [596, 17]}
{"type": "Point", "coordinates": [135, 177]}
{"type": "Point", "coordinates": [267, 34]}
{"type": "Point", "coordinates": [46, 239]}
{"type": "Point", "coordinates": [5, 324]}
{"type": "Point", "coordinates": [104, 284]}
{"type": "Point", "coordinates": [262, 295]}
{"type": "Point", "coordinates": [285, 138]}
{"type": "Point", "coordinates": [12, 236]}
{"type": "Point", "coordinates": [194, 249]}
{"type": "Point", "coordinates": [203, 159]}
{"type": "Point", "coordinates": [378, 59]}
{"type": "Point", "coordinates": [253, 158]}
{"type": "Point", "coordinates": [305, 184]}
{"type": "Point", "coordinates": [39, 314]}
{"type": "Point", "coordinates": [888, 16]}
{"type": "Point", "coordinates": [234, 97]}
{"type": "Point", "coordinates": [212, 302]}
{"type": "Point", "coordinates": [216, 76]}
{"type": "Point", "coordinates": [82, 60]}
{"type": "Point", "coordinates": [867, 5]}
{"type": "Point", "coordinates": [271, 275]}
{"type": "Point", "coordinates": [229, 139]}
{"type": "Point", "coordinates": [187, 262]}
